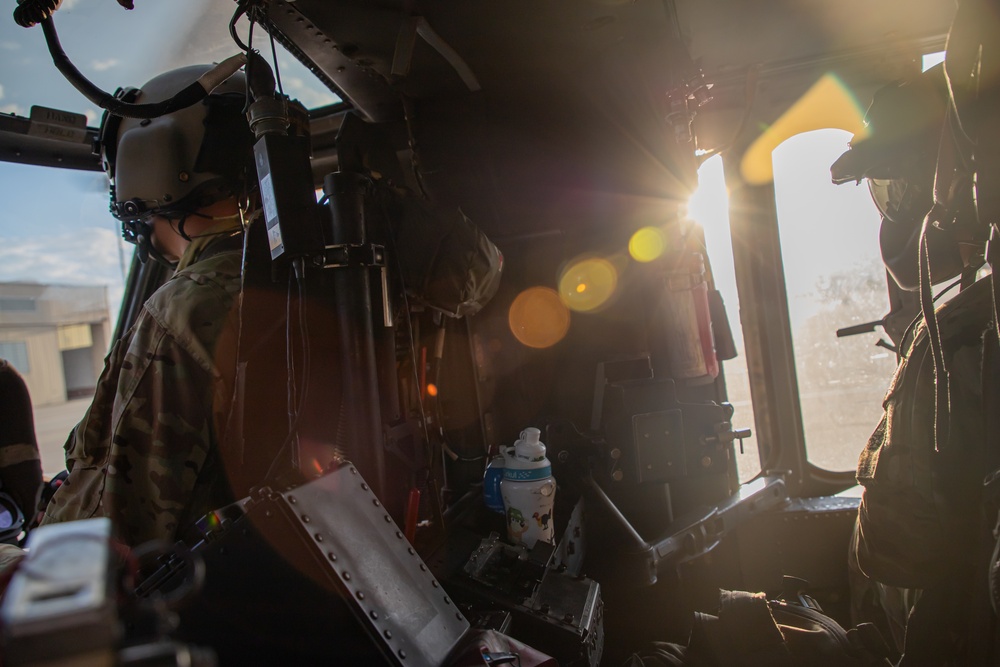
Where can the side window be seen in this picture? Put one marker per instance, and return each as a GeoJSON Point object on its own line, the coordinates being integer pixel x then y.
{"type": "Point", "coordinates": [709, 206]}
{"type": "Point", "coordinates": [62, 270]}
{"type": "Point", "coordinates": [834, 279]}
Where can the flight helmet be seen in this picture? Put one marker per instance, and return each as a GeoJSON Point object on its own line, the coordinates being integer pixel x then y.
{"type": "Point", "coordinates": [898, 159]}
{"type": "Point", "coordinates": [179, 162]}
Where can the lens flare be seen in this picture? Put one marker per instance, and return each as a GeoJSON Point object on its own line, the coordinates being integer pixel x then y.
{"type": "Point", "coordinates": [647, 244]}
{"type": "Point", "coordinates": [828, 104]}
{"type": "Point", "coordinates": [538, 318]}
{"type": "Point", "coordinates": [587, 284]}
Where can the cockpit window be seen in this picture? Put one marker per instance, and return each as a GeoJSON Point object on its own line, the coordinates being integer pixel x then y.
{"type": "Point", "coordinates": [835, 279]}
{"type": "Point", "coordinates": [59, 245]}
{"type": "Point", "coordinates": [709, 206]}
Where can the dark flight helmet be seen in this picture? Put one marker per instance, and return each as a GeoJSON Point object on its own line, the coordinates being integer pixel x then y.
{"type": "Point", "coordinates": [179, 162]}
{"type": "Point", "coordinates": [898, 159]}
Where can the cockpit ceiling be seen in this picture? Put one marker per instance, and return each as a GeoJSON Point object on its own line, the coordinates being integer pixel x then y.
{"type": "Point", "coordinates": [728, 35]}
{"type": "Point", "coordinates": [519, 49]}
{"type": "Point", "coordinates": [534, 50]}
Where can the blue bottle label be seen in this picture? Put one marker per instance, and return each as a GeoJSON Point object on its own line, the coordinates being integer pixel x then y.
{"type": "Point", "coordinates": [491, 486]}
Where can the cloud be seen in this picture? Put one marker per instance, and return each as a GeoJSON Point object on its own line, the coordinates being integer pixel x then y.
{"type": "Point", "coordinates": [103, 65]}
{"type": "Point", "coordinates": [312, 96]}
{"type": "Point", "coordinates": [1, 91]}
{"type": "Point", "coordinates": [8, 45]}
{"type": "Point", "coordinates": [82, 257]}
{"type": "Point", "coordinates": [68, 5]}
{"type": "Point", "coordinates": [13, 109]}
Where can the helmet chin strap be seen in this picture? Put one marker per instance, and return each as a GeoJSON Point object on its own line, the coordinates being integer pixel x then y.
{"type": "Point", "coordinates": [146, 249]}
{"type": "Point", "coordinates": [142, 234]}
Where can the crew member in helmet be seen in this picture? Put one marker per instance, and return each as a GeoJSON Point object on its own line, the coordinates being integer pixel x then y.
{"type": "Point", "coordinates": [146, 453]}
{"type": "Point", "coordinates": [914, 552]}
{"type": "Point", "coordinates": [20, 463]}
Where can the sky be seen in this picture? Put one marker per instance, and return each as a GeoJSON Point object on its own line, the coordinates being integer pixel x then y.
{"type": "Point", "coordinates": [54, 225]}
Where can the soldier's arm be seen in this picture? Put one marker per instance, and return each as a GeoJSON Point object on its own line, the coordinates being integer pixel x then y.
{"type": "Point", "coordinates": [163, 431]}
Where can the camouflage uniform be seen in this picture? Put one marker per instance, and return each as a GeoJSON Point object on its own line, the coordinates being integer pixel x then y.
{"type": "Point", "coordinates": [146, 453]}
{"type": "Point", "coordinates": [919, 520]}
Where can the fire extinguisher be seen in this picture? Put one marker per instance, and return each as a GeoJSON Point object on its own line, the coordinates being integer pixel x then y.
{"type": "Point", "coordinates": [687, 321]}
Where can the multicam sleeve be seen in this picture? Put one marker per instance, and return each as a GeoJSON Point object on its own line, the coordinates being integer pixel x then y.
{"type": "Point", "coordinates": [162, 434]}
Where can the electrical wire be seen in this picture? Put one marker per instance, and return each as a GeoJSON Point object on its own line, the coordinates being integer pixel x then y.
{"type": "Point", "coordinates": [277, 72]}
{"type": "Point", "coordinates": [187, 97]}
{"type": "Point", "coordinates": [295, 416]}
{"type": "Point", "coordinates": [241, 9]}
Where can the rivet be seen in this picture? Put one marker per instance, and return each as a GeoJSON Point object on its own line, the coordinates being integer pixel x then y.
{"type": "Point", "coordinates": [412, 552]}
{"type": "Point", "coordinates": [434, 583]}
{"type": "Point", "coordinates": [183, 177]}
{"type": "Point", "coordinates": [373, 614]}
{"type": "Point", "coordinates": [305, 519]}
{"type": "Point", "coordinates": [347, 576]}
{"type": "Point", "coordinates": [376, 503]}
{"type": "Point", "coordinates": [388, 634]}
{"type": "Point", "coordinates": [292, 500]}
{"type": "Point", "coordinates": [458, 615]}
{"type": "Point", "coordinates": [361, 596]}
{"type": "Point", "coordinates": [388, 519]}
{"type": "Point", "coordinates": [319, 537]}
{"type": "Point", "coordinates": [446, 600]}
{"type": "Point", "coordinates": [423, 568]}
{"type": "Point", "coordinates": [364, 486]}
{"type": "Point", "coordinates": [332, 556]}
{"type": "Point", "coordinates": [354, 471]}
{"type": "Point", "coordinates": [399, 535]}
{"type": "Point", "coordinates": [402, 653]}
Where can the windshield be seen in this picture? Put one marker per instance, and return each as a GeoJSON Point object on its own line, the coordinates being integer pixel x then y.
{"type": "Point", "coordinates": [59, 245]}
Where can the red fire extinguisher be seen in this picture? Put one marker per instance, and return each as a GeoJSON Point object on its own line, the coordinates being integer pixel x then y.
{"type": "Point", "coordinates": [688, 321]}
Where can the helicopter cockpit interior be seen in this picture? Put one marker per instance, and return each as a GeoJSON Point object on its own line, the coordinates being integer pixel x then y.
{"type": "Point", "coordinates": [486, 207]}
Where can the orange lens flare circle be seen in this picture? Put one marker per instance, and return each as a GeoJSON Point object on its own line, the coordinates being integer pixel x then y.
{"type": "Point", "coordinates": [588, 284]}
{"type": "Point", "coordinates": [538, 318]}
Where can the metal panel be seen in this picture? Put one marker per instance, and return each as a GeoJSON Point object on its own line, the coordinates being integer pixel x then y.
{"type": "Point", "coordinates": [388, 584]}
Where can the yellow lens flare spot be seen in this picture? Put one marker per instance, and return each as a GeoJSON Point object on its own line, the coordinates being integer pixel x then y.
{"type": "Point", "coordinates": [432, 390]}
{"type": "Point", "coordinates": [588, 284]}
{"type": "Point", "coordinates": [828, 104]}
{"type": "Point", "coordinates": [647, 244]}
{"type": "Point", "coordinates": [538, 318]}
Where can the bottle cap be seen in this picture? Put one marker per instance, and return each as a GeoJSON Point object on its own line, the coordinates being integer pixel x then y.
{"type": "Point", "coordinates": [527, 454]}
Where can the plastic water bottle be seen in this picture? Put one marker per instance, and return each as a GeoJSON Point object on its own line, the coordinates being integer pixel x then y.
{"type": "Point", "coordinates": [529, 491]}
